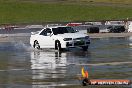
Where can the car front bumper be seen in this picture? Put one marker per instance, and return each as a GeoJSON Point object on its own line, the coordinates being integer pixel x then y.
{"type": "Point", "coordinates": [77, 43]}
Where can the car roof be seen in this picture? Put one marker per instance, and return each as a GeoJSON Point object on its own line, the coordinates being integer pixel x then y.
{"type": "Point", "coordinates": [52, 27]}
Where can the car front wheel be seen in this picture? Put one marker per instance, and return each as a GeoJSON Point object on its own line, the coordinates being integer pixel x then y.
{"type": "Point", "coordinates": [58, 45]}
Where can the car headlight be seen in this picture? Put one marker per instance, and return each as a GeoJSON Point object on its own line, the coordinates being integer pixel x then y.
{"type": "Point", "coordinates": [67, 39]}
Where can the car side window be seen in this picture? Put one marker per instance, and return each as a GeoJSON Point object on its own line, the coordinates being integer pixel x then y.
{"type": "Point", "coordinates": [46, 32]}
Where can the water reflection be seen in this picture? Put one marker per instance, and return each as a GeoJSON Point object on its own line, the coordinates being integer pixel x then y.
{"type": "Point", "coordinates": [55, 68]}
{"type": "Point", "coordinates": [105, 58]}
{"type": "Point", "coordinates": [47, 66]}
{"type": "Point", "coordinates": [47, 60]}
{"type": "Point", "coordinates": [22, 67]}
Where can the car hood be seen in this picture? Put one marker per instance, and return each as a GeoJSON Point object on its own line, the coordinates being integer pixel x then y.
{"type": "Point", "coordinates": [72, 35]}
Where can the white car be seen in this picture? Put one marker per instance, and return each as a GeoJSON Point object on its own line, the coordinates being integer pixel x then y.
{"type": "Point", "coordinates": [59, 37]}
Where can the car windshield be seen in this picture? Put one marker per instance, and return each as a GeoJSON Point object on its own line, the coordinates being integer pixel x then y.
{"type": "Point", "coordinates": [62, 30]}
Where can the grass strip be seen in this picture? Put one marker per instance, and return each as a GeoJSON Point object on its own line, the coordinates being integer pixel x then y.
{"type": "Point", "coordinates": [31, 12]}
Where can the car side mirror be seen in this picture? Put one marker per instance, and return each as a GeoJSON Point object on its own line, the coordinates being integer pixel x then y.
{"type": "Point", "coordinates": [48, 34]}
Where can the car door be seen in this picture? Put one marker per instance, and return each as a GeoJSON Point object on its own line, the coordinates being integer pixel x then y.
{"type": "Point", "coordinates": [46, 38]}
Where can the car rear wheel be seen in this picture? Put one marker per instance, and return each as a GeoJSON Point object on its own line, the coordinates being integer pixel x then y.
{"type": "Point", "coordinates": [36, 45]}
